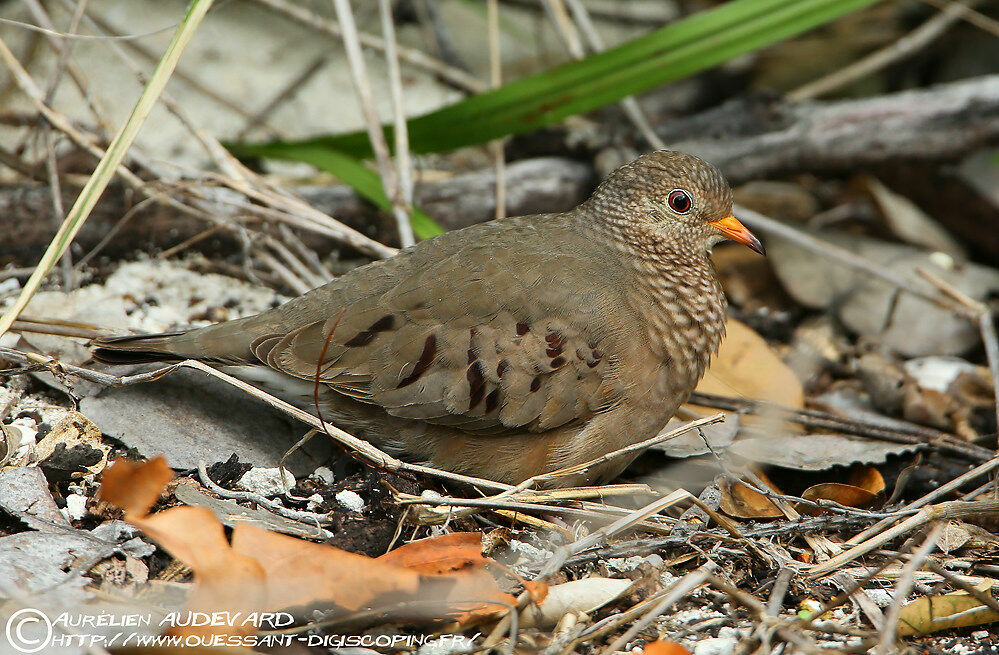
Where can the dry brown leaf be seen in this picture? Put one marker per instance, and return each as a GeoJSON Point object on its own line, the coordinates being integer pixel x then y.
{"type": "Point", "coordinates": [867, 478]}
{"type": "Point", "coordinates": [266, 571]}
{"type": "Point", "coordinates": [135, 486]}
{"type": "Point", "coordinates": [299, 573]}
{"type": "Point", "coordinates": [844, 494]}
{"type": "Point", "coordinates": [741, 502]}
{"type": "Point", "coordinates": [747, 367]}
{"type": "Point", "coordinates": [439, 555]}
{"type": "Point", "coordinates": [955, 610]}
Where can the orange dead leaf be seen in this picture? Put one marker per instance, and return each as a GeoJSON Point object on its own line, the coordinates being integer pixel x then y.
{"type": "Point", "coordinates": [135, 486]}
{"type": "Point", "coordinates": [747, 367]}
{"type": "Point", "coordinates": [868, 478]}
{"type": "Point", "coordinates": [844, 494]}
{"type": "Point", "coordinates": [660, 647]}
{"type": "Point", "coordinates": [299, 573]}
{"type": "Point", "coordinates": [440, 555]}
{"type": "Point", "coordinates": [262, 570]}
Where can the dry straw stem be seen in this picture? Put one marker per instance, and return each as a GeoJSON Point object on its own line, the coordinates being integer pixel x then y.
{"type": "Point", "coordinates": [366, 98]}
{"type": "Point", "coordinates": [108, 164]}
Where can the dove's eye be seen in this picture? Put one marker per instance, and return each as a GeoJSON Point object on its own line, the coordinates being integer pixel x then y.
{"type": "Point", "coordinates": [679, 201]}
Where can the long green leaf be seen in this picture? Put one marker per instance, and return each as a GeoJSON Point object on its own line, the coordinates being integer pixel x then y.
{"type": "Point", "coordinates": [363, 180]}
{"type": "Point", "coordinates": [675, 51]}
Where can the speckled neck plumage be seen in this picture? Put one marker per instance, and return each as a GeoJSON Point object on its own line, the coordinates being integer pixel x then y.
{"type": "Point", "coordinates": [673, 275]}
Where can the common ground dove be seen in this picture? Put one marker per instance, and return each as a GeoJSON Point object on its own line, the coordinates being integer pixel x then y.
{"type": "Point", "coordinates": [510, 348]}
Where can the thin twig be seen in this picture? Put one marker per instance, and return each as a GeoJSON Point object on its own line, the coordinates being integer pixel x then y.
{"type": "Point", "coordinates": [680, 589]}
{"type": "Point", "coordinates": [902, 589]}
{"type": "Point", "coordinates": [904, 47]}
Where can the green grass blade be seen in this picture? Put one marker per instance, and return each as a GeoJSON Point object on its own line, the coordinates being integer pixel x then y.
{"type": "Point", "coordinates": [678, 50]}
{"type": "Point", "coordinates": [112, 158]}
{"type": "Point", "coordinates": [363, 180]}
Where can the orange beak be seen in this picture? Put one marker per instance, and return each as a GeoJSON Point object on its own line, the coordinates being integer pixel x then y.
{"type": "Point", "coordinates": [736, 231]}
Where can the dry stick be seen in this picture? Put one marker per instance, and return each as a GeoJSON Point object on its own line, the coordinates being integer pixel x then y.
{"type": "Point", "coordinates": [311, 519]}
{"type": "Point", "coordinates": [939, 492]}
{"type": "Point", "coordinates": [904, 47]}
{"type": "Point", "coordinates": [982, 597]}
{"type": "Point", "coordinates": [496, 80]}
{"type": "Point", "coordinates": [75, 74]}
{"type": "Point", "coordinates": [295, 283]}
{"type": "Point", "coordinates": [556, 561]}
{"type": "Point", "coordinates": [629, 104]}
{"type": "Point", "coordinates": [677, 592]}
{"type": "Point", "coordinates": [902, 589]}
{"type": "Point", "coordinates": [836, 253]}
{"type": "Point", "coordinates": [403, 161]}
{"type": "Point", "coordinates": [971, 16]}
{"type": "Point", "coordinates": [376, 135]}
{"type": "Point", "coordinates": [416, 58]}
{"type": "Point", "coordinates": [898, 432]}
{"type": "Point", "coordinates": [948, 510]}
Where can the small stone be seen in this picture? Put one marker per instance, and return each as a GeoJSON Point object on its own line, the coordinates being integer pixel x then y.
{"type": "Point", "coordinates": [715, 646]}
{"type": "Point", "coordinates": [324, 474]}
{"type": "Point", "coordinates": [430, 494]}
{"type": "Point", "coordinates": [881, 597]}
{"type": "Point", "coordinates": [351, 500]}
{"type": "Point", "coordinates": [978, 635]}
{"type": "Point", "coordinates": [76, 507]}
{"type": "Point", "coordinates": [314, 501]}
{"type": "Point", "coordinates": [267, 481]}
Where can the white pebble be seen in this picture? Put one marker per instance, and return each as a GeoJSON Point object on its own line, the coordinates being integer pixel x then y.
{"type": "Point", "coordinates": [324, 474]}
{"type": "Point", "coordinates": [715, 646]}
{"type": "Point", "coordinates": [350, 500]}
{"type": "Point", "coordinates": [314, 501]}
{"type": "Point", "coordinates": [76, 507]}
{"type": "Point", "coordinates": [267, 481]}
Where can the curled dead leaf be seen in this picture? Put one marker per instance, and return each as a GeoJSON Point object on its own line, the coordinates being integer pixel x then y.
{"type": "Point", "coordinates": [741, 502]}
{"type": "Point", "coordinates": [266, 571]}
{"type": "Point", "coordinates": [844, 494]}
{"type": "Point", "coordinates": [135, 486]}
{"type": "Point", "coordinates": [955, 610]}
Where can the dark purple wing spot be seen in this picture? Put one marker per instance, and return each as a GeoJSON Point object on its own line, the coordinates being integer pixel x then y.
{"type": "Point", "coordinates": [522, 329]}
{"type": "Point", "coordinates": [476, 384]}
{"type": "Point", "coordinates": [502, 367]}
{"type": "Point", "coordinates": [492, 400]}
{"type": "Point", "coordinates": [535, 384]}
{"type": "Point", "coordinates": [553, 352]}
{"type": "Point", "coordinates": [558, 361]}
{"type": "Point", "coordinates": [423, 363]}
{"type": "Point", "coordinates": [364, 337]}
